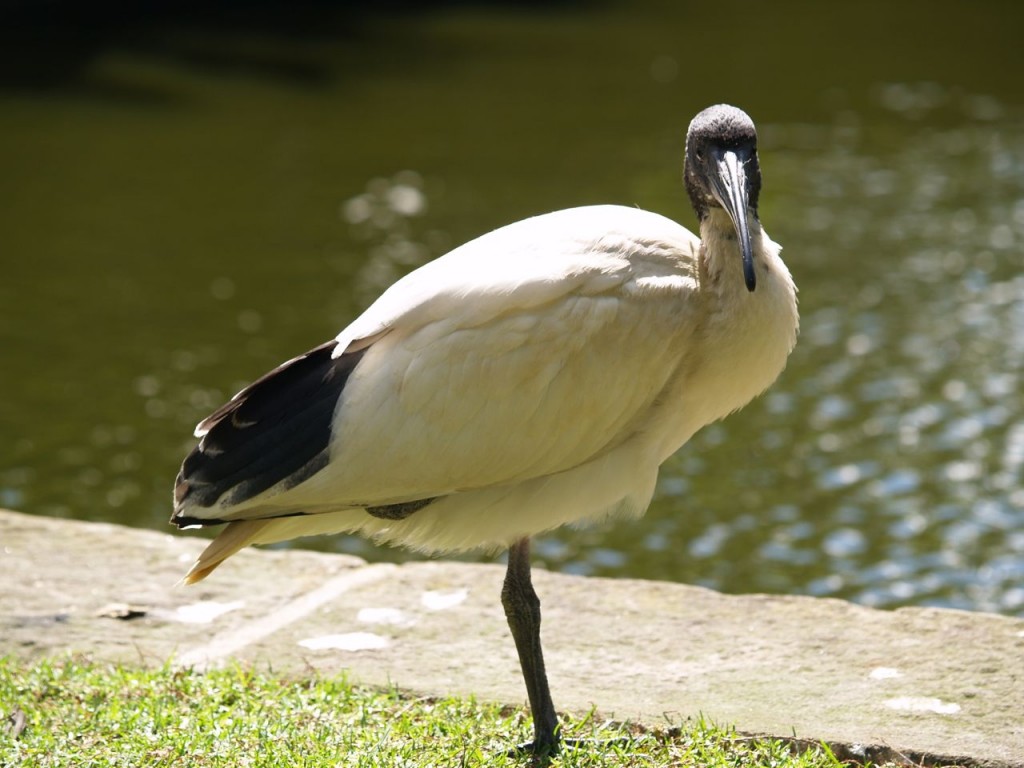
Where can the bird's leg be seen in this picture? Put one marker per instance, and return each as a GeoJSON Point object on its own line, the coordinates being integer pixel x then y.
{"type": "Point", "coordinates": [522, 609]}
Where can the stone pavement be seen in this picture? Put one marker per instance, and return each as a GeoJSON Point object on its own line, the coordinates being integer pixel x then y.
{"type": "Point", "coordinates": [939, 686]}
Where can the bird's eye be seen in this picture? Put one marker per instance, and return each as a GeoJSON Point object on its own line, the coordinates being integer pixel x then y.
{"type": "Point", "coordinates": [699, 155]}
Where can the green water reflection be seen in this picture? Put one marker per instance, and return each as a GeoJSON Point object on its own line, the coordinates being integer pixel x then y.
{"type": "Point", "coordinates": [182, 214]}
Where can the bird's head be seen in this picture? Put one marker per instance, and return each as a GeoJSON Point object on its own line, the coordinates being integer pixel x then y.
{"type": "Point", "coordinates": [721, 171]}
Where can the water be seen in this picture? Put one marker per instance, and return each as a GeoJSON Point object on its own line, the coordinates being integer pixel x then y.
{"type": "Point", "coordinates": [182, 213]}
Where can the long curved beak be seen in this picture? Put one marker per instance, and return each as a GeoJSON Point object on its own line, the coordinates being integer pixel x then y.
{"type": "Point", "coordinates": [729, 186]}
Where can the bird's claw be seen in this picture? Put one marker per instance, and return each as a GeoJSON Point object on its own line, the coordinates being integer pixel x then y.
{"type": "Point", "coordinates": [541, 752]}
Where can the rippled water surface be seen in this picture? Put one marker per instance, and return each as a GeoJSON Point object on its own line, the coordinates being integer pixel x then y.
{"type": "Point", "coordinates": [184, 212]}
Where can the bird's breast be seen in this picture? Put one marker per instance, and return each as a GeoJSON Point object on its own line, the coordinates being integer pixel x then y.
{"type": "Point", "coordinates": [738, 349]}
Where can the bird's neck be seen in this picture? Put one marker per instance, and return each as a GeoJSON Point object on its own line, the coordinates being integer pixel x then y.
{"type": "Point", "coordinates": [721, 265]}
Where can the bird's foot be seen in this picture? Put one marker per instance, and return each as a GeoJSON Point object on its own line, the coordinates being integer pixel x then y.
{"type": "Point", "coordinates": [535, 749]}
{"type": "Point", "coordinates": [541, 752]}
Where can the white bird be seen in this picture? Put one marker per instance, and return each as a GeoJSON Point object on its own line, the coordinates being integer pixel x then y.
{"type": "Point", "coordinates": [536, 376]}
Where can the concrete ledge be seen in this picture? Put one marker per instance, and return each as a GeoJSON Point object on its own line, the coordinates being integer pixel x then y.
{"type": "Point", "coordinates": [932, 685]}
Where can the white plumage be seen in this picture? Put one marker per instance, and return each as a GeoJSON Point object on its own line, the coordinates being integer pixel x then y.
{"type": "Point", "coordinates": [536, 376]}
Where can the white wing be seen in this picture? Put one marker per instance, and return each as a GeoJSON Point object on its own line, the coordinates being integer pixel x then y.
{"type": "Point", "coordinates": [528, 351]}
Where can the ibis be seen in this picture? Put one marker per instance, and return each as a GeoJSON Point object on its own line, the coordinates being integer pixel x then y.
{"type": "Point", "coordinates": [536, 376]}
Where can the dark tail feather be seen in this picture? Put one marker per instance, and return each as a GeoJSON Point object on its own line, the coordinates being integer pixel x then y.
{"type": "Point", "coordinates": [276, 429]}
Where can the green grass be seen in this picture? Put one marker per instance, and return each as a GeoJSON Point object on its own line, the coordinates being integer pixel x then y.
{"type": "Point", "coordinates": [84, 714]}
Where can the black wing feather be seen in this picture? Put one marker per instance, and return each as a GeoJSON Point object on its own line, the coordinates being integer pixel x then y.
{"type": "Point", "coordinates": [276, 429]}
